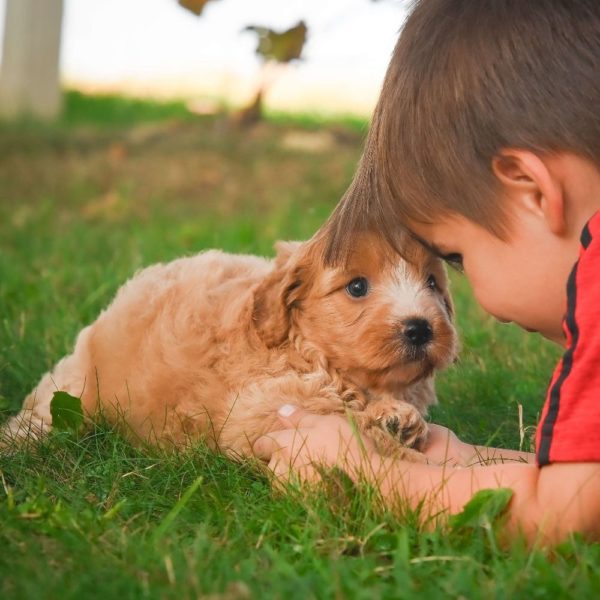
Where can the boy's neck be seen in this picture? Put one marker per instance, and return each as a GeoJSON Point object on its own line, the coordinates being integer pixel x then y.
{"type": "Point", "coordinates": [580, 180]}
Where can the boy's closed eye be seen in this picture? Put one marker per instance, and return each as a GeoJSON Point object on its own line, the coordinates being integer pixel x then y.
{"type": "Point", "coordinates": [454, 260]}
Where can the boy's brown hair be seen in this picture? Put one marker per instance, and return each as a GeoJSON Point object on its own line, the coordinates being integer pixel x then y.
{"type": "Point", "coordinates": [468, 78]}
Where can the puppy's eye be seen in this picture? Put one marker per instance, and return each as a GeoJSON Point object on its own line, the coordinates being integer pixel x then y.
{"type": "Point", "coordinates": [358, 287]}
{"type": "Point", "coordinates": [432, 283]}
{"type": "Point", "coordinates": [454, 260]}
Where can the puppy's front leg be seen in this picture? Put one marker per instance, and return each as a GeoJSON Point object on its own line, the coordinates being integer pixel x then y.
{"type": "Point", "coordinates": [253, 411]}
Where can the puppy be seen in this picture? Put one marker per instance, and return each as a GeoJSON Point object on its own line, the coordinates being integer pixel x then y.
{"type": "Point", "coordinates": [212, 345]}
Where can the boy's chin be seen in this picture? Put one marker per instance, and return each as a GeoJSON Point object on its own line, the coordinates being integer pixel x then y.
{"type": "Point", "coordinates": [558, 337]}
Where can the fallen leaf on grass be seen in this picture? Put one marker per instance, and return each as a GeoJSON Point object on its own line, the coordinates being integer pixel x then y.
{"type": "Point", "coordinates": [67, 414]}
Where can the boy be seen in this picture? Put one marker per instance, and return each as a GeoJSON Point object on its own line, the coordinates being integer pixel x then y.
{"type": "Point", "coordinates": [485, 144]}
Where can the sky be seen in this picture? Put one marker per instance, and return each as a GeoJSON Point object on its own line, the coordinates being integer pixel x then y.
{"type": "Point", "coordinates": [154, 47]}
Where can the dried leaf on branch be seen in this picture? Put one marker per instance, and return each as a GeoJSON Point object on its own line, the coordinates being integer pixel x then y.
{"type": "Point", "coordinates": [280, 46]}
{"type": "Point", "coordinates": [195, 6]}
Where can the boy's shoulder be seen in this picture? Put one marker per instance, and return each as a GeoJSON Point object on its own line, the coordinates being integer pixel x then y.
{"type": "Point", "coordinates": [569, 429]}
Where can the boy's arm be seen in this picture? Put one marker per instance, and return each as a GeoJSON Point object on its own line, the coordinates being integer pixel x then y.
{"type": "Point", "coordinates": [547, 503]}
{"type": "Point", "coordinates": [443, 447]}
{"type": "Point", "coordinates": [546, 506]}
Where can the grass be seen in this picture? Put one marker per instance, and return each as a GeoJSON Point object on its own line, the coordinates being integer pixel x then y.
{"type": "Point", "coordinates": [117, 185]}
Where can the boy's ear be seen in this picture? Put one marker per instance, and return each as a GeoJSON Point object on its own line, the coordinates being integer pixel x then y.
{"type": "Point", "coordinates": [531, 181]}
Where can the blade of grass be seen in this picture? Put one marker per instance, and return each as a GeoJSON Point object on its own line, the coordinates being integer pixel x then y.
{"type": "Point", "coordinates": [167, 522]}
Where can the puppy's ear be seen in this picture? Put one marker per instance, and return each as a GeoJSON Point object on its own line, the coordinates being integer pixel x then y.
{"type": "Point", "coordinates": [276, 294]}
{"type": "Point", "coordinates": [285, 250]}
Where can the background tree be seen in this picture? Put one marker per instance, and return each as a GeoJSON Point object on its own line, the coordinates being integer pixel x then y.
{"type": "Point", "coordinates": [276, 49]}
{"type": "Point", "coordinates": [29, 80]}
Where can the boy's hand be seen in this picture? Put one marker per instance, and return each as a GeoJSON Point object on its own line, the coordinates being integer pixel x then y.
{"type": "Point", "coordinates": [444, 447]}
{"type": "Point", "coordinates": [306, 440]}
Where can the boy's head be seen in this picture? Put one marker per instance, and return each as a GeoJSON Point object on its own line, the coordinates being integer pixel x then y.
{"type": "Point", "coordinates": [479, 98]}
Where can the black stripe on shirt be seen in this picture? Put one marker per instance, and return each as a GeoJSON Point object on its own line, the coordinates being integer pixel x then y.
{"type": "Point", "coordinates": [586, 236]}
{"type": "Point", "coordinates": [547, 426]}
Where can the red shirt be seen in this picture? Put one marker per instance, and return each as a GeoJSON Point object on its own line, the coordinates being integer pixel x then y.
{"type": "Point", "coordinates": [569, 430]}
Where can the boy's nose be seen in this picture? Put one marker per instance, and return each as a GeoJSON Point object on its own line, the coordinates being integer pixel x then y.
{"type": "Point", "coordinates": [417, 331]}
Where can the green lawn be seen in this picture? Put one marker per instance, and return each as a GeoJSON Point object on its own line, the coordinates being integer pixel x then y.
{"type": "Point", "coordinates": [117, 185]}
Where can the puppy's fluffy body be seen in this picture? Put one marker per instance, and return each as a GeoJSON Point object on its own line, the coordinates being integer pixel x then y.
{"type": "Point", "coordinates": [212, 345]}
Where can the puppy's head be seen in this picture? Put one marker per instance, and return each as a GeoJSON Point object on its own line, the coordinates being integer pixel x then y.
{"type": "Point", "coordinates": [384, 321]}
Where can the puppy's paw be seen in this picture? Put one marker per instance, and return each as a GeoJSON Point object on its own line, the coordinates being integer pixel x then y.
{"type": "Point", "coordinates": [399, 422]}
{"type": "Point", "coordinates": [387, 445]}
{"type": "Point", "coordinates": [397, 428]}
{"type": "Point", "coordinates": [405, 424]}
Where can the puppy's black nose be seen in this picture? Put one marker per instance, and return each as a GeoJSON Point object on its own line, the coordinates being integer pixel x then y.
{"type": "Point", "coordinates": [417, 331]}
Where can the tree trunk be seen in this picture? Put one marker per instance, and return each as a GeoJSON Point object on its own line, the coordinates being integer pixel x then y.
{"type": "Point", "coordinates": [29, 79]}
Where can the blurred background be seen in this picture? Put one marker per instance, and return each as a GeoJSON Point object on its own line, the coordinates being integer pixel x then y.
{"type": "Point", "coordinates": [131, 109]}
{"type": "Point", "coordinates": [206, 49]}
{"type": "Point", "coordinates": [187, 112]}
